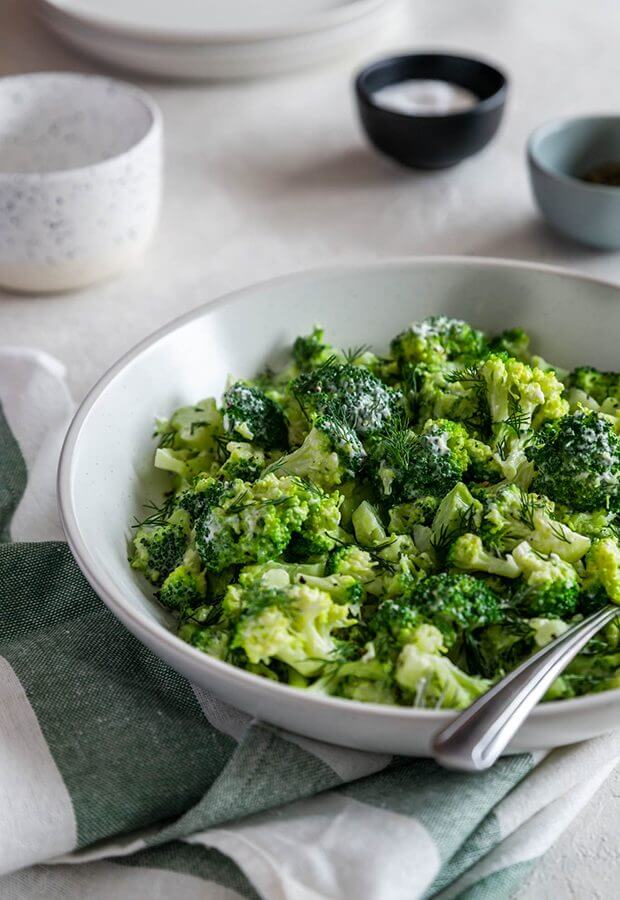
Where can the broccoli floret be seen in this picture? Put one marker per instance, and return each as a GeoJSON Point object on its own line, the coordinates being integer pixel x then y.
{"type": "Point", "coordinates": [469, 554]}
{"type": "Point", "coordinates": [342, 588]}
{"type": "Point", "coordinates": [443, 393]}
{"type": "Point", "coordinates": [514, 389]}
{"type": "Point", "coordinates": [550, 587]}
{"type": "Point", "coordinates": [438, 340]}
{"type": "Point", "coordinates": [602, 574]}
{"type": "Point", "coordinates": [405, 516]}
{"type": "Point", "coordinates": [520, 398]}
{"type": "Point", "coordinates": [183, 588]}
{"type": "Point", "coordinates": [159, 550]}
{"type": "Point", "coordinates": [511, 515]}
{"type": "Point", "coordinates": [515, 342]}
{"type": "Point", "coordinates": [366, 679]}
{"type": "Point", "coordinates": [430, 678]}
{"type": "Point", "coordinates": [349, 393]}
{"type": "Point", "coordinates": [455, 603]}
{"type": "Point", "coordinates": [331, 452]}
{"type": "Point", "coordinates": [484, 466]}
{"type": "Point", "coordinates": [211, 639]}
{"type": "Point", "coordinates": [252, 416]}
{"type": "Point", "coordinates": [294, 625]}
{"type": "Point", "coordinates": [351, 560]}
{"type": "Point", "coordinates": [257, 522]}
{"type": "Point", "coordinates": [409, 466]}
{"type": "Point", "coordinates": [598, 385]}
{"type": "Point", "coordinates": [188, 442]}
{"type": "Point", "coordinates": [587, 674]}
{"type": "Point", "coordinates": [369, 530]}
{"type": "Point", "coordinates": [320, 529]}
{"type": "Point", "coordinates": [311, 350]}
{"type": "Point", "coordinates": [457, 513]}
{"type": "Point", "coordinates": [599, 523]}
{"type": "Point", "coordinates": [394, 624]}
{"type": "Point", "coordinates": [277, 573]}
{"type": "Point", "coordinates": [577, 462]}
{"type": "Point", "coordinates": [244, 462]}
{"type": "Point", "coordinates": [500, 647]}
{"type": "Point", "coordinates": [204, 493]}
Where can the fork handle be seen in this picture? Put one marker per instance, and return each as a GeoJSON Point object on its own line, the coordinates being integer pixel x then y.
{"type": "Point", "coordinates": [477, 737]}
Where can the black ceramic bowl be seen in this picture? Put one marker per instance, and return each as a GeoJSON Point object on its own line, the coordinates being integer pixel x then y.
{"type": "Point", "coordinates": [432, 141]}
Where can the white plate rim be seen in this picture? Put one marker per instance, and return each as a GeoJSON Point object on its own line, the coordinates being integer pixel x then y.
{"type": "Point", "coordinates": [354, 10]}
{"type": "Point", "coordinates": [157, 632]}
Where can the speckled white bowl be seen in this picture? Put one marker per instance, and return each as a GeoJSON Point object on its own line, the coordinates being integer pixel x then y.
{"type": "Point", "coordinates": [80, 178]}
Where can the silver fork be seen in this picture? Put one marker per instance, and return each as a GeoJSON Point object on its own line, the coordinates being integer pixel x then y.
{"type": "Point", "coordinates": [477, 737]}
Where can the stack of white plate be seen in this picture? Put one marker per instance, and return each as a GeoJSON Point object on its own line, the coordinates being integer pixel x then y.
{"type": "Point", "coordinates": [200, 39]}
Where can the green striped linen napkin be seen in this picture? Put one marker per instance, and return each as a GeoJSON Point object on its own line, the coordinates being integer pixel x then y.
{"type": "Point", "coordinates": [118, 778]}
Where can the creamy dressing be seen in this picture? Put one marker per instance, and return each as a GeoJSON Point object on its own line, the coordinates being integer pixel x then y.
{"type": "Point", "coordinates": [425, 97]}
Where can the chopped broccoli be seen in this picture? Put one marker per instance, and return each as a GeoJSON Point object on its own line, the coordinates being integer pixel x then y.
{"type": "Point", "coordinates": [455, 603]}
{"type": "Point", "coordinates": [513, 341]}
{"type": "Point", "coordinates": [294, 625]}
{"type": "Point", "coordinates": [399, 529]}
{"type": "Point", "coordinates": [577, 462]}
{"type": "Point", "coordinates": [350, 393]}
{"type": "Point", "coordinates": [405, 516]}
{"type": "Point", "coordinates": [243, 461]}
{"type": "Point", "coordinates": [511, 515]}
{"type": "Point", "coordinates": [351, 560]}
{"type": "Point", "coordinates": [203, 493]}
{"type": "Point", "coordinates": [330, 453]}
{"type": "Point", "coordinates": [410, 466]}
{"type": "Point", "coordinates": [602, 575]}
{"type": "Point", "coordinates": [598, 385]}
{"type": "Point", "coordinates": [189, 441]}
{"type": "Point", "coordinates": [438, 340]}
{"type": "Point", "coordinates": [457, 513]}
{"type": "Point", "coordinates": [159, 550]}
{"type": "Point", "coordinates": [550, 588]}
{"type": "Point", "coordinates": [430, 678]}
{"type": "Point", "coordinates": [252, 416]}
{"type": "Point", "coordinates": [469, 554]}
{"type": "Point", "coordinates": [311, 350]}
{"type": "Point", "coordinates": [257, 522]}
{"type": "Point", "coordinates": [183, 588]}
{"type": "Point", "coordinates": [369, 530]}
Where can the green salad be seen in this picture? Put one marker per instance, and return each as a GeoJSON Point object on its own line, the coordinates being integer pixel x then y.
{"type": "Point", "coordinates": [398, 529]}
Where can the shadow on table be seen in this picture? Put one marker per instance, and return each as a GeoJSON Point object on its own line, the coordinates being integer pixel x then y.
{"type": "Point", "coordinates": [532, 238]}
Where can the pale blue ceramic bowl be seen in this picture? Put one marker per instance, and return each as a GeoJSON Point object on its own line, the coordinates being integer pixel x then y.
{"type": "Point", "coordinates": [558, 154]}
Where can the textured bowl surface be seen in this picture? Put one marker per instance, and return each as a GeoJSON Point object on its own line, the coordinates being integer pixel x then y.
{"type": "Point", "coordinates": [80, 178]}
{"type": "Point", "coordinates": [106, 466]}
{"type": "Point", "coordinates": [558, 153]}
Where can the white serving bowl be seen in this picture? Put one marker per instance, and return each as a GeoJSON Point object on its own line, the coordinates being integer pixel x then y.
{"type": "Point", "coordinates": [106, 466]}
{"type": "Point", "coordinates": [80, 178]}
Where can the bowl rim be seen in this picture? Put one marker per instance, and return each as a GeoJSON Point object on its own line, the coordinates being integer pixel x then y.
{"type": "Point", "coordinates": [152, 132]}
{"type": "Point", "coordinates": [157, 632]}
{"type": "Point", "coordinates": [563, 178]}
{"type": "Point", "coordinates": [318, 22]}
{"type": "Point", "coordinates": [495, 100]}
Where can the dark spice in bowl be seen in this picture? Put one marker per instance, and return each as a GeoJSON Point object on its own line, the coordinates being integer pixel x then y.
{"type": "Point", "coordinates": [607, 174]}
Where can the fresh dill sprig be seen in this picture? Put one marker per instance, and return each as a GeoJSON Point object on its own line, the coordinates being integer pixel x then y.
{"type": "Point", "coordinates": [352, 354]}
{"type": "Point", "coordinates": [158, 515]}
{"type": "Point", "coordinates": [559, 532]}
{"type": "Point", "coordinates": [447, 534]}
{"type": "Point", "coordinates": [166, 438]}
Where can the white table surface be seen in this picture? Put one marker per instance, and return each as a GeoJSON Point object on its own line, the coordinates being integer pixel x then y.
{"type": "Point", "coordinates": [275, 176]}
